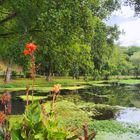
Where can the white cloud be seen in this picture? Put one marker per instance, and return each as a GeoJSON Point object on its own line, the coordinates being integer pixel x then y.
{"type": "Point", "coordinates": [125, 12]}
{"type": "Point", "coordinates": [126, 21]}
{"type": "Point", "coordinates": [132, 33]}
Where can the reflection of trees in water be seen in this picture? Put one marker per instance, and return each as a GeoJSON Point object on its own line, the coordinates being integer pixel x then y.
{"type": "Point", "coordinates": [112, 95]}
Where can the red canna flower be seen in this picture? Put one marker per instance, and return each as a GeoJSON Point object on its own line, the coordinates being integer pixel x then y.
{"type": "Point", "coordinates": [56, 88]}
{"type": "Point", "coordinates": [5, 98]}
{"type": "Point", "coordinates": [26, 52]}
{"type": "Point", "coordinates": [31, 46]}
{"type": "Point", "coordinates": [2, 118]}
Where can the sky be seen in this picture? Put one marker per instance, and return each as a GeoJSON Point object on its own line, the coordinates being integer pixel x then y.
{"type": "Point", "coordinates": [126, 20]}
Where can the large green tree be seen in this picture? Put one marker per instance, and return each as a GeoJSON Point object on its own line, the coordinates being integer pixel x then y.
{"type": "Point", "coordinates": [103, 46]}
{"type": "Point", "coordinates": [57, 26]}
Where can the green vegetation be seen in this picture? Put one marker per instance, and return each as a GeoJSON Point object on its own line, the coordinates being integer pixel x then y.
{"type": "Point", "coordinates": [72, 117]}
{"type": "Point", "coordinates": [112, 126]}
{"type": "Point", "coordinates": [130, 81]}
{"type": "Point", "coordinates": [70, 45]}
{"type": "Point", "coordinates": [42, 85]}
{"type": "Point", "coordinates": [71, 41]}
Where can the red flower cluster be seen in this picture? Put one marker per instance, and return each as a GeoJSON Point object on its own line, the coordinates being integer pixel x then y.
{"type": "Point", "coordinates": [2, 118]}
{"type": "Point", "coordinates": [30, 48]}
{"type": "Point", "coordinates": [6, 101]}
{"type": "Point", "coordinates": [5, 98]}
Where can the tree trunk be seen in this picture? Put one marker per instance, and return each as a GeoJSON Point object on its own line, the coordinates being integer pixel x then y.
{"type": "Point", "coordinates": [106, 77]}
{"type": "Point", "coordinates": [49, 75]}
{"type": "Point", "coordinates": [8, 74]}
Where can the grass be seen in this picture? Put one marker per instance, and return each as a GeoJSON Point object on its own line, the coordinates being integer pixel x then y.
{"type": "Point", "coordinates": [36, 98]}
{"type": "Point", "coordinates": [42, 82]}
{"type": "Point", "coordinates": [113, 130]}
{"type": "Point", "coordinates": [113, 126]}
{"type": "Point", "coordinates": [43, 85]}
{"type": "Point", "coordinates": [112, 136]}
{"type": "Point", "coordinates": [130, 81]}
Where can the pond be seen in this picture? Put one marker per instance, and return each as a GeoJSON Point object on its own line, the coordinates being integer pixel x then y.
{"type": "Point", "coordinates": [124, 97]}
{"type": "Point", "coordinates": [127, 97]}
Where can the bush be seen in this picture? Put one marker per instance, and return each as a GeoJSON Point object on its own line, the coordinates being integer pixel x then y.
{"type": "Point", "coordinates": [37, 125]}
{"type": "Point", "coordinates": [14, 74]}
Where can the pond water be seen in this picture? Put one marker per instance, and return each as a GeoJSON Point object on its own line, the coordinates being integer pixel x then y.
{"type": "Point", "coordinates": [126, 97]}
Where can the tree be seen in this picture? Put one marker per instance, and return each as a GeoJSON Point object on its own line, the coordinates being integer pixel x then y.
{"type": "Point", "coordinates": [57, 26]}
{"type": "Point", "coordinates": [103, 45]}
{"type": "Point", "coordinates": [131, 50]}
{"type": "Point", "coordinates": [11, 53]}
{"type": "Point", "coordinates": [135, 59]}
{"type": "Point", "coordinates": [135, 4]}
{"type": "Point", "coordinates": [119, 63]}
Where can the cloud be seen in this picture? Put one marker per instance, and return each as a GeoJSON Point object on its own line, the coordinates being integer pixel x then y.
{"type": "Point", "coordinates": [124, 12]}
{"type": "Point", "coordinates": [132, 33]}
{"type": "Point", "coordinates": [126, 21]}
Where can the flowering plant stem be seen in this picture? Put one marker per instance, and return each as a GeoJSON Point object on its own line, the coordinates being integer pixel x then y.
{"type": "Point", "coordinates": [53, 102]}
{"type": "Point", "coordinates": [30, 49]}
{"type": "Point", "coordinates": [27, 97]}
{"type": "Point", "coordinates": [33, 76]}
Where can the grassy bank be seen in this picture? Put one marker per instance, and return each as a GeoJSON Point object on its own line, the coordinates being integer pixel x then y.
{"type": "Point", "coordinates": [42, 84]}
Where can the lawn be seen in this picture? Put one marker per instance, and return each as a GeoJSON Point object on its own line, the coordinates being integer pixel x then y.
{"type": "Point", "coordinates": [41, 84]}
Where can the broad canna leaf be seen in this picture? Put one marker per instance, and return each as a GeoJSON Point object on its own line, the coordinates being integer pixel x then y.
{"type": "Point", "coordinates": [39, 136]}
{"type": "Point", "coordinates": [73, 137]}
{"type": "Point", "coordinates": [16, 135]}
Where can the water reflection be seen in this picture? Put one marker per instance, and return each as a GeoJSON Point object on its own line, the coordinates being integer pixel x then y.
{"type": "Point", "coordinates": [115, 95]}
{"type": "Point", "coordinates": [129, 115]}
{"type": "Point", "coordinates": [126, 96]}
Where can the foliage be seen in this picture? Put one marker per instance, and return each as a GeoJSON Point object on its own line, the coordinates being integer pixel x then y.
{"type": "Point", "coordinates": [102, 47]}
{"type": "Point", "coordinates": [135, 4]}
{"type": "Point", "coordinates": [136, 63]}
{"type": "Point", "coordinates": [36, 125]}
{"type": "Point", "coordinates": [64, 30]}
{"type": "Point", "coordinates": [71, 116]}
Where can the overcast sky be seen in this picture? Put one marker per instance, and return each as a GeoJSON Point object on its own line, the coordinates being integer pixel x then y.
{"type": "Point", "coordinates": [126, 21]}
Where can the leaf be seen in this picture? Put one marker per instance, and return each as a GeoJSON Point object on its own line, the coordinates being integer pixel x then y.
{"type": "Point", "coordinates": [34, 113]}
{"type": "Point", "coordinates": [37, 115]}
{"type": "Point", "coordinates": [16, 135]}
{"type": "Point", "coordinates": [23, 135]}
{"type": "Point", "coordinates": [59, 135]}
{"type": "Point", "coordinates": [39, 136]}
{"type": "Point", "coordinates": [73, 137]}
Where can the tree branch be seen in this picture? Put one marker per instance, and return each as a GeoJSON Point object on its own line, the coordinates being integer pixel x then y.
{"type": "Point", "coordinates": [9, 17]}
{"type": "Point", "coordinates": [8, 34]}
